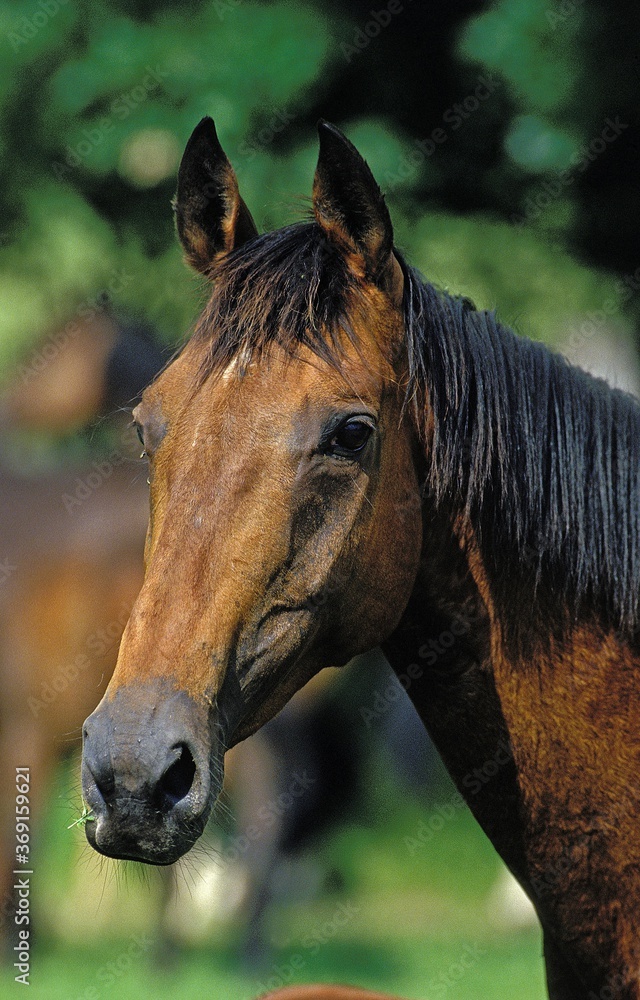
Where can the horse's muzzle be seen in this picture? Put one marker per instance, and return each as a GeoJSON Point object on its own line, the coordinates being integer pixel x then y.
{"type": "Point", "coordinates": [148, 758]}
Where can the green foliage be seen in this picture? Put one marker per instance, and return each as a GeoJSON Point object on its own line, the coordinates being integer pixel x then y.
{"type": "Point", "coordinates": [538, 290]}
{"type": "Point", "coordinates": [558, 110]}
{"type": "Point", "coordinates": [98, 100]}
{"type": "Point", "coordinates": [534, 48]}
{"type": "Point", "coordinates": [95, 108]}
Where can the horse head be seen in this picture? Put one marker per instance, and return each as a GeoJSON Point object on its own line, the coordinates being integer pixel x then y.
{"type": "Point", "coordinates": [285, 523]}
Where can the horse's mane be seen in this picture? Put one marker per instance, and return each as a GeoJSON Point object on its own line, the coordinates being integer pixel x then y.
{"type": "Point", "coordinates": [543, 458]}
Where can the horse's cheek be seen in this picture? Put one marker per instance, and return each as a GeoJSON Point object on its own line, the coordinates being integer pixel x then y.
{"type": "Point", "coordinates": [388, 571]}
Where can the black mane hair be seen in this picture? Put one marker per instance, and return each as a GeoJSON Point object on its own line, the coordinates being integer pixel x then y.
{"type": "Point", "coordinates": [291, 286]}
{"type": "Point", "coordinates": [543, 458]}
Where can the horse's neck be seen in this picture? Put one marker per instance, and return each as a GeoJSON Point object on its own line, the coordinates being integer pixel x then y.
{"type": "Point", "coordinates": [545, 749]}
{"type": "Point", "coordinates": [442, 652]}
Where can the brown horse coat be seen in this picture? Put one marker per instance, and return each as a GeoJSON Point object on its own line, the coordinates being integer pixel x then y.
{"type": "Point", "coordinates": [341, 457]}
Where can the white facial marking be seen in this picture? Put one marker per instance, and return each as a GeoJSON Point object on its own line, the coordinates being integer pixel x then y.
{"type": "Point", "coordinates": [229, 370]}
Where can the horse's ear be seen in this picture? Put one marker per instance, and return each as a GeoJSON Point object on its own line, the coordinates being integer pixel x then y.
{"type": "Point", "coordinates": [211, 217]}
{"type": "Point", "coordinates": [349, 205]}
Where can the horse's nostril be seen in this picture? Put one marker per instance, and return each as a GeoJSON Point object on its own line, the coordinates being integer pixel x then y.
{"type": "Point", "coordinates": [177, 780]}
{"type": "Point", "coordinates": [103, 779]}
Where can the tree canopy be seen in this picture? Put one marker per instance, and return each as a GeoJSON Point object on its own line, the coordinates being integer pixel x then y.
{"type": "Point", "coordinates": [505, 136]}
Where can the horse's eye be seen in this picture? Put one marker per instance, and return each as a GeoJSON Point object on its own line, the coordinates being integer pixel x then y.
{"type": "Point", "coordinates": [351, 437]}
{"type": "Point", "coordinates": [140, 438]}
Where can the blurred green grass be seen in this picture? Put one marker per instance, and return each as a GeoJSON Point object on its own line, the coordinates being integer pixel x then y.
{"type": "Point", "coordinates": [417, 922]}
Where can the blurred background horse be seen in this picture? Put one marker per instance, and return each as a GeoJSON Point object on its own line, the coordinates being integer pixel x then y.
{"type": "Point", "coordinates": [71, 538]}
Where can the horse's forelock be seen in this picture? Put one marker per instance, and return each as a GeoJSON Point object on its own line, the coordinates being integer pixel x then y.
{"type": "Point", "coordinates": [289, 287]}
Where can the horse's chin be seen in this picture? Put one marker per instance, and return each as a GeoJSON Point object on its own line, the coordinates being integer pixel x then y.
{"type": "Point", "coordinates": [159, 845]}
{"type": "Point", "coordinates": [250, 725]}
{"type": "Point", "coordinates": [279, 695]}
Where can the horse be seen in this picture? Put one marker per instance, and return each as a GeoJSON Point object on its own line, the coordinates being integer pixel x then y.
{"type": "Point", "coordinates": [72, 540]}
{"type": "Point", "coordinates": [343, 456]}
